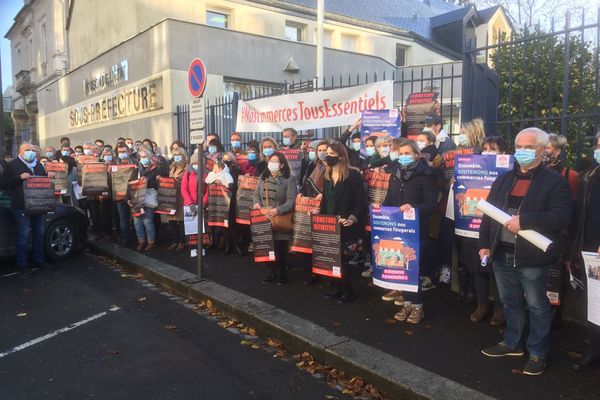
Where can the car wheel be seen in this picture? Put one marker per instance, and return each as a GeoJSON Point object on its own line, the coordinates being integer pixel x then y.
{"type": "Point", "coordinates": [60, 240]}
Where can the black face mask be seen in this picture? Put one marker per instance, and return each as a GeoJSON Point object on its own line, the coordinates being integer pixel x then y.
{"type": "Point", "coordinates": [332, 160]}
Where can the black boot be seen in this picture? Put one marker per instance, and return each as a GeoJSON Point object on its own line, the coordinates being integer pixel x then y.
{"type": "Point", "coordinates": [586, 363]}
{"type": "Point", "coordinates": [347, 296]}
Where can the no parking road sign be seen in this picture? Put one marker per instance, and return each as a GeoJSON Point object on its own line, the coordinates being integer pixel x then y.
{"type": "Point", "coordinates": [197, 77]}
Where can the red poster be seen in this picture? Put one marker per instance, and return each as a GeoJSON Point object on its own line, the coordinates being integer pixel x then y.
{"type": "Point", "coordinates": [326, 246]}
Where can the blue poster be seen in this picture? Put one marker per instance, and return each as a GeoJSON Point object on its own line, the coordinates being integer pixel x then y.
{"type": "Point", "coordinates": [395, 243]}
{"type": "Point", "coordinates": [473, 178]}
{"type": "Point", "coordinates": [380, 123]}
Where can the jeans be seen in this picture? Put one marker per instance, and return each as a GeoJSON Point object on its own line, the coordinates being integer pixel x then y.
{"type": "Point", "coordinates": [123, 210]}
{"type": "Point", "coordinates": [144, 225]}
{"type": "Point", "coordinates": [516, 286]}
{"type": "Point", "coordinates": [36, 224]}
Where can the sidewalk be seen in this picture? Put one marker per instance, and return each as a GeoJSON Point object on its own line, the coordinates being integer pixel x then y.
{"type": "Point", "coordinates": [446, 343]}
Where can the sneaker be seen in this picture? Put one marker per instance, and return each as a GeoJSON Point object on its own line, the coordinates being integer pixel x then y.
{"type": "Point", "coordinates": [502, 350]}
{"type": "Point", "coordinates": [534, 366]}
{"type": "Point", "coordinates": [416, 314]}
{"type": "Point", "coordinates": [391, 295]}
{"type": "Point", "coordinates": [427, 283]}
{"type": "Point", "coordinates": [399, 301]}
{"type": "Point", "coordinates": [445, 275]}
{"type": "Point", "coordinates": [404, 313]}
{"type": "Point", "coordinates": [367, 273]}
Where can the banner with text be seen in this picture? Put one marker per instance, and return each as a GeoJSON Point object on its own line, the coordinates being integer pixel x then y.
{"type": "Point", "coordinates": [219, 200]}
{"type": "Point", "coordinates": [380, 123]}
{"type": "Point", "coordinates": [313, 110]}
{"type": "Point", "coordinates": [395, 242]}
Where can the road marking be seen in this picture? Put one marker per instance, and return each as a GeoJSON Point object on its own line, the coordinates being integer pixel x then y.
{"type": "Point", "coordinates": [57, 332]}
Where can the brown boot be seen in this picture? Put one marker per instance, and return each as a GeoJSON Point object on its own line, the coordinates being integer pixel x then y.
{"type": "Point", "coordinates": [172, 247]}
{"type": "Point", "coordinates": [151, 245]}
{"type": "Point", "coordinates": [480, 313]}
{"type": "Point", "coordinates": [498, 317]}
{"type": "Point", "coordinates": [180, 247]}
{"type": "Point", "coordinates": [141, 246]}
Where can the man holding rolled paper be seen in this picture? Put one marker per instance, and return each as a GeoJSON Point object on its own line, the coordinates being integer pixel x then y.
{"type": "Point", "coordinates": [538, 201]}
{"type": "Point", "coordinates": [16, 173]}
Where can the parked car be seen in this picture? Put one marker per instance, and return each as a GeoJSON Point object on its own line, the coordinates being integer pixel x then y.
{"type": "Point", "coordinates": [66, 229]}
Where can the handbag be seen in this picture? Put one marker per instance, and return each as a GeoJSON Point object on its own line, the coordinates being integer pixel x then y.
{"type": "Point", "coordinates": [151, 198]}
{"type": "Point", "coordinates": [279, 223]}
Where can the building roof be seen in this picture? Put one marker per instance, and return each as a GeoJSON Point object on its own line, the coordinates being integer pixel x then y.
{"type": "Point", "coordinates": [409, 15]}
{"type": "Point", "coordinates": [452, 16]}
{"type": "Point", "coordinates": [486, 14]}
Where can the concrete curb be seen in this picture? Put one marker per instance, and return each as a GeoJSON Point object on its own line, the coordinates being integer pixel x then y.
{"type": "Point", "coordinates": [396, 377]}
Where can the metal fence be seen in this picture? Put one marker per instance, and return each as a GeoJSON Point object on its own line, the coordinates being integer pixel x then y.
{"type": "Point", "coordinates": [550, 80]}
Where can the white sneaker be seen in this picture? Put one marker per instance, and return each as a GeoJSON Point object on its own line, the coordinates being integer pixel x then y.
{"type": "Point", "coordinates": [392, 295]}
{"type": "Point", "coordinates": [445, 275]}
{"type": "Point", "coordinates": [427, 284]}
{"type": "Point", "coordinates": [367, 273]}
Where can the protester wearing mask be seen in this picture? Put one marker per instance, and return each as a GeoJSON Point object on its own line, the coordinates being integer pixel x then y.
{"type": "Point", "coordinates": [434, 123]}
{"type": "Point", "coordinates": [370, 149]}
{"type": "Point", "coordinates": [50, 153]}
{"type": "Point", "coordinates": [248, 164]}
{"type": "Point", "coordinates": [235, 141]}
{"type": "Point", "coordinates": [586, 234]}
{"type": "Point", "coordinates": [493, 145]}
{"type": "Point", "coordinates": [289, 139]}
{"type": "Point", "coordinates": [144, 224]}
{"type": "Point", "coordinates": [538, 199]}
{"type": "Point", "coordinates": [178, 167]}
{"type": "Point", "coordinates": [106, 207]}
{"type": "Point", "coordinates": [15, 173]}
{"type": "Point", "coordinates": [123, 210]}
{"type": "Point", "coordinates": [353, 149]}
{"type": "Point", "coordinates": [78, 151]}
{"type": "Point", "coordinates": [429, 153]}
{"type": "Point", "coordinates": [382, 156]}
{"type": "Point", "coordinates": [177, 144]}
{"type": "Point", "coordinates": [312, 184]}
{"type": "Point", "coordinates": [189, 185]}
{"type": "Point", "coordinates": [268, 147]}
{"type": "Point", "coordinates": [276, 192]}
{"type": "Point", "coordinates": [344, 195]}
{"type": "Point", "coordinates": [412, 186]}
{"type": "Point", "coordinates": [554, 159]}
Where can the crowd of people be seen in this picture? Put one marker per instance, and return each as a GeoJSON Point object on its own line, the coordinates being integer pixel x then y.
{"type": "Point", "coordinates": [540, 193]}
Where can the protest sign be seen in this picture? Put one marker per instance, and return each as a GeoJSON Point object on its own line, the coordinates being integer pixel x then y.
{"type": "Point", "coordinates": [38, 195]}
{"type": "Point", "coordinates": [380, 123]}
{"type": "Point", "coordinates": [168, 196]}
{"type": "Point", "coordinates": [95, 179]}
{"type": "Point", "coordinates": [262, 236]}
{"type": "Point", "coordinates": [313, 110]}
{"type": "Point", "coordinates": [377, 188]}
{"type": "Point", "coordinates": [592, 273]}
{"type": "Point", "coordinates": [473, 178]}
{"type": "Point", "coordinates": [294, 158]}
{"type": "Point", "coordinates": [245, 191]}
{"type": "Point", "coordinates": [302, 231]}
{"type": "Point", "coordinates": [120, 175]}
{"type": "Point", "coordinates": [60, 171]}
{"type": "Point", "coordinates": [219, 199]}
{"type": "Point", "coordinates": [136, 194]}
{"type": "Point", "coordinates": [395, 243]}
{"type": "Point", "coordinates": [326, 245]}
{"type": "Point", "coordinates": [418, 106]}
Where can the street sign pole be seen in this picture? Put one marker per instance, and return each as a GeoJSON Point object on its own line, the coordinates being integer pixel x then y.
{"type": "Point", "coordinates": [200, 177]}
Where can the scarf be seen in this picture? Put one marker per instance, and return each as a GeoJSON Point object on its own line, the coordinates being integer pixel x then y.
{"type": "Point", "coordinates": [30, 165]}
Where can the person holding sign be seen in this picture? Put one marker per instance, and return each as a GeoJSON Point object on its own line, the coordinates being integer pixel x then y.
{"type": "Point", "coordinates": [540, 200]}
{"type": "Point", "coordinates": [586, 237]}
{"type": "Point", "coordinates": [120, 175]}
{"type": "Point", "coordinates": [176, 171]}
{"type": "Point", "coordinates": [412, 187]}
{"type": "Point", "coordinates": [276, 195]}
{"type": "Point", "coordinates": [344, 195]}
{"type": "Point", "coordinates": [268, 146]}
{"type": "Point", "coordinates": [144, 222]}
{"type": "Point", "coordinates": [16, 173]}
{"type": "Point", "coordinates": [219, 186]}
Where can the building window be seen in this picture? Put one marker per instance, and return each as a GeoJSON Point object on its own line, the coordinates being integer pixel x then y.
{"type": "Point", "coordinates": [218, 19]}
{"type": "Point", "coordinates": [349, 42]}
{"type": "Point", "coordinates": [44, 50]}
{"type": "Point", "coordinates": [327, 35]}
{"type": "Point", "coordinates": [401, 55]}
{"type": "Point", "coordinates": [293, 32]}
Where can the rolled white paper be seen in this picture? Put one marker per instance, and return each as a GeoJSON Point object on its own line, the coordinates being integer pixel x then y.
{"type": "Point", "coordinates": [537, 239]}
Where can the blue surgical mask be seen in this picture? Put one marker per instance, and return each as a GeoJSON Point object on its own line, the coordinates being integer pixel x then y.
{"type": "Point", "coordinates": [212, 149]}
{"type": "Point", "coordinates": [268, 152]}
{"type": "Point", "coordinates": [29, 155]}
{"type": "Point", "coordinates": [356, 146]}
{"type": "Point", "coordinates": [384, 151]}
{"type": "Point", "coordinates": [236, 144]}
{"type": "Point", "coordinates": [251, 156]}
{"type": "Point", "coordinates": [108, 158]}
{"type": "Point", "coordinates": [123, 156]}
{"type": "Point", "coordinates": [195, 167]}
{"type": "Point", "coordinates": [463, 140]}
{"type": "Point", "coordinates": [65, 153]}
{"type": "Point", "coordinates": [525, 156]}
{"type": "Point", "coordinates": [597, 155]}
{"type": "Point", "coordinates": [49, 154]}
{"type": "Point", "coordinates": [405, 160]}
{"type": "Point", "coordinates": [144, 161]}
{"type": "Point", "coordinates": [287, 141]}
{"type": "Point", "coordinates": [178, 158]}
{"type": "Point", "coordinates": [370, 151]}
{"type": "Point", "coordinates": [312, 155]}
{"type": "Point", "coordinates": [394, 155]}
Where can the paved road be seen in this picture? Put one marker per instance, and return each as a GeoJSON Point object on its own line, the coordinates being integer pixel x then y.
{"type": "Point", "coordinates": [120, 348]}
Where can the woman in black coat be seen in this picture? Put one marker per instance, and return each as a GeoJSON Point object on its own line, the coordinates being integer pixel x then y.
{"type": "Point", "coordinates": [412, 185]}
{"type": "Point", "coordinates": [343, 195]}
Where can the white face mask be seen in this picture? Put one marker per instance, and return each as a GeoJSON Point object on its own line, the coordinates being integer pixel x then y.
{"type": "Point", "coordinates": [427, 129]}
{"type": "Point", "coordinates": [421, 145]}
{"type": "Point", "coordinates": [273, 166]}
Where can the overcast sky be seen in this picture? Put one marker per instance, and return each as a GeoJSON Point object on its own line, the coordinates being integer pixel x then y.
{"type": "Point", "coordinates": [8, 11]}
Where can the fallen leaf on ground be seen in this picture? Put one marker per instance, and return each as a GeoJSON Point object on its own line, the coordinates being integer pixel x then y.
{"type": "Point", "coordinates": [274, 343]}
{"type": "Point", "coordinates": [255, 346]}
{"type": "Point", "coordinates": [251, 331]}
{"type": "Point", "coordinates": [328, 397]}
{"type": "Point", "coordinates": [427, 326]}
{"type": "Point", "coordinates": [209, 304]}
{"type": "Point", "coordinates": [141, 299]}
{"type": "Point", "coordinates": [171, 327]}
{"type": "Point", "coordinates": [515, 371]}
{"type": "Point", "coordinates": [408, 332]}
{"type": "Point", "coordinates": [336, 323]}
{"type": "Point", "coordinates": [391, 321]}
{"type": "Point", "coordinates": [23, 314]}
